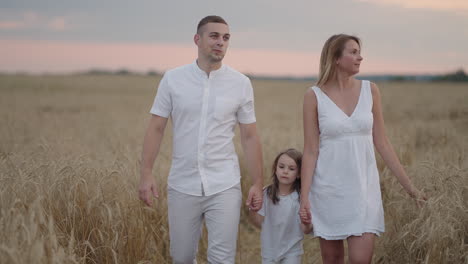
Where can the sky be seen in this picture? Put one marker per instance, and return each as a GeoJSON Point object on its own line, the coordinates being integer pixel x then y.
{"type": "Point", "coordinates": [268, 37]}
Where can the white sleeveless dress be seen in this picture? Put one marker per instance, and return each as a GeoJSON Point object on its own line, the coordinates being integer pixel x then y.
{"type": "Point", "coordinates": [345, 195]}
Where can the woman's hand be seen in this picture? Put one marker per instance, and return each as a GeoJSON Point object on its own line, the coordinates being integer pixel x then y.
{"type": "Point", "coordinates": [304, 212]}
{"type": "Point", "coordinates": [419, 196]}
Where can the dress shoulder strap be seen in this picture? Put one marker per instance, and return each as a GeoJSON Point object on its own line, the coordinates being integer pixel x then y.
{"type": "Point", "coordinates": [317, 92]}
{"type": "Point", "coordinates": [367, 93]}
{"type": "Point", "coordinates": [319, 96]}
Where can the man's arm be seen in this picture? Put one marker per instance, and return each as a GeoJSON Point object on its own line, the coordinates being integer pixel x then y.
{"type": "Point", "coordinates": [151, 145]}
{"type": "Point", "coordinates": [253, 154]}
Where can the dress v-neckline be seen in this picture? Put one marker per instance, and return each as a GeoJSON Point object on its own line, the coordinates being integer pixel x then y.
{"type": "Point", "coordinates": [341, 110]}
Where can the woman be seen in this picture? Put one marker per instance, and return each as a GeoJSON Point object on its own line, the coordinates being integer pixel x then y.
{"type": "Point", "coordinates": [343, 122]}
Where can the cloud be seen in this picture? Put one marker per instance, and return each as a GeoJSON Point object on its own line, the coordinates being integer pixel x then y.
{"type": "Point", "coordinates": [58, 56]}
{"type": "Point", "coordinates": [10, 25]}
{"type": "Point", "coordinates": [32, 20]}
{"type": "Point", "coordinates": [446, 5]}
{"type": "Point", "coordinates": [61, 57]}
{"type": "Point", "coordinates": [57, 24]}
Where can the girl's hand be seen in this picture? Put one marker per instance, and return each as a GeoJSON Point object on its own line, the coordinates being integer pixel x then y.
{"type": "Point", "coordinates": [255, 198]}
{"type": "Point", "coordinates": [306, 218]}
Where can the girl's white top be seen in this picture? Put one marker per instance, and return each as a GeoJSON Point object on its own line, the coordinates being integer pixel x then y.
{"type": "Point", "coordinates": [281, 229]}
{"type": "Point", "coordinates": [345, 195]}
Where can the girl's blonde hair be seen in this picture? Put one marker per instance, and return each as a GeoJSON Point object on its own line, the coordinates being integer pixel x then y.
{"type": "Point", "coordinates": [332, 51]}
{"type": "Point", "coordinates": [272, 189]}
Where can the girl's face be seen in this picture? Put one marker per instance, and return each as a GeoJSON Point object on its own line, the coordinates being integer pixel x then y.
{"type": "Point", "coordinates": [286, 170]}
{"type": "Point", "coordinates": [351, 58]}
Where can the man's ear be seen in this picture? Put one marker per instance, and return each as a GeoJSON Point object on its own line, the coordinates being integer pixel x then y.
{"type": "Point", "coordinates": [196, 38]}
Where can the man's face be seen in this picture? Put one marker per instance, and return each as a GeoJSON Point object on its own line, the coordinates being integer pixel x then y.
{"type": "Point", "coordinates": [213, 41]}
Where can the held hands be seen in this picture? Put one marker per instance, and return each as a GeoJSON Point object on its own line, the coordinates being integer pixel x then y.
{"type": "Point", "coordinates": [147, 189]}
{"type": "Point", "coordinates": [304, 212]}
{"type": "Point", "coordinates": [255, 198]}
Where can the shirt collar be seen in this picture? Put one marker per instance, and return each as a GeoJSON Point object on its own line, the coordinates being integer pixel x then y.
{"type": "Point", "coordinates": [202, 73]}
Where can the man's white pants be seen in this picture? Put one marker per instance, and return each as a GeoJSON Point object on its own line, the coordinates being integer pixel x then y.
{"type": "Point", "coordinates": [221, 212]}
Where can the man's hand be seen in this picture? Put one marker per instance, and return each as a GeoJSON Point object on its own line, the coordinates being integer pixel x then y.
{"type": "Point", "coordinates": [151, 144]}
{"type": "Point", "coordinates": [147, 189]}
{"type": "Point", "coordinates": [255, 198]}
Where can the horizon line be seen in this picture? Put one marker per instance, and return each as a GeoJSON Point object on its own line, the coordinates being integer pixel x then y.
{"type": "Point", "coordinates": [150, 72]}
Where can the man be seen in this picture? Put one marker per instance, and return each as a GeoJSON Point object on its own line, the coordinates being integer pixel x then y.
{"type": "Point", "coordinates": [205, 100]}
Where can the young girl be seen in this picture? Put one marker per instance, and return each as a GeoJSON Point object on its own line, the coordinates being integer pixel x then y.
{"type": "Point", "coordinates": [282, 230]}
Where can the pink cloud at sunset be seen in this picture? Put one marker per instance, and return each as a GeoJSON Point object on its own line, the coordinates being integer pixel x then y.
{"type": "Point", "coordinates": [57, 24]}
{"type": "Point", "coordinates": [56, 56]}
{"type": "Point", "coordinates": [63, 57]}
{"type": "Point", "coordinates": [10, 25]}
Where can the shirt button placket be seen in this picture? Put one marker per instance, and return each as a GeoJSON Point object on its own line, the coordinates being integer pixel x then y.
{"type": "Point", "coordinates": [202, 134]}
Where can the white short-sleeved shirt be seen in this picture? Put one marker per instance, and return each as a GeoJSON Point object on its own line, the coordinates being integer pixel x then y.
{"type": "Point", "coordinates": [281, 233]}
{"type": "Point", "coordinates": [204, 111]}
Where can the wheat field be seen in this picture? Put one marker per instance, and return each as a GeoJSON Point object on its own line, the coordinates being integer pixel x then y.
{"type": "Point", "coordinates": [69, 169]}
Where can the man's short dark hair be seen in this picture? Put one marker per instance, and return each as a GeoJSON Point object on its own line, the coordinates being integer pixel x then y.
{"type": "Point", "coordinates": [210, 19]}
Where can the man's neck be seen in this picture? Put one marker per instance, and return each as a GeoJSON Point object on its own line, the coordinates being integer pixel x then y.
{"type": "Point", "coordinates": [207, 66]}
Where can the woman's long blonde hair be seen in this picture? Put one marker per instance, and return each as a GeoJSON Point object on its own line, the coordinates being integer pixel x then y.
{"type": "Point", "coordinates": [332, 51]}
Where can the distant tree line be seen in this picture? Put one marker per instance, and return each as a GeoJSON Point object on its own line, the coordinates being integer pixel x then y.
{"type": "Point", "coordinates": [122, 71]}
{"type": "Point", "coordinates": [458, 76]}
